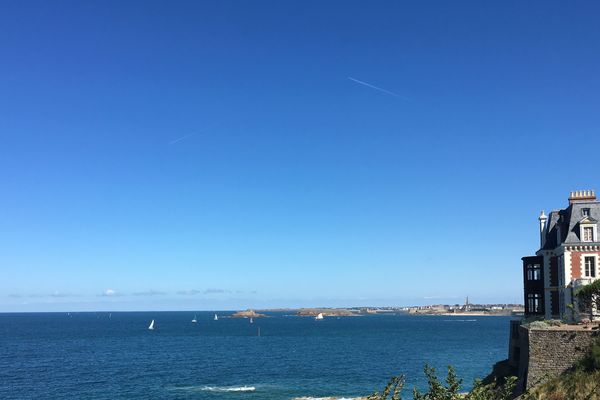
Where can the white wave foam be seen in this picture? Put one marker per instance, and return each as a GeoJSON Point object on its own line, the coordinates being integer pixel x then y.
{"type": "Point", "coordinates": [328, 398]}
{"type": "Point", "coordinates": [217, 388]}
{"type": "Point", "coordinates": [229, 388]}
{"type": "Point", "coordinates": [460, 320]}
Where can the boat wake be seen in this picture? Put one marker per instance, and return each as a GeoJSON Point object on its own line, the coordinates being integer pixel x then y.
{"type": "Point", "coordinates": [228, 389]}
{"type": "Point", "coordinates": [218, 388]}
{"type": "Point", "coordinates": [460, 320]}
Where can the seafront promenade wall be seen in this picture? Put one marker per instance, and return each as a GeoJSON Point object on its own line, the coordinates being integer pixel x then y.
{"type": "Point", "coordinates": [549, 352]}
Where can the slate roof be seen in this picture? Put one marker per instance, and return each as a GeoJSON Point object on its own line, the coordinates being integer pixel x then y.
{"type": "Point", "coordinates": [567, 222]}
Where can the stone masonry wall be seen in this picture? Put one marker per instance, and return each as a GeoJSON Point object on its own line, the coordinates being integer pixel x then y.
{"type": "Point", "coordinates": [553, 351]}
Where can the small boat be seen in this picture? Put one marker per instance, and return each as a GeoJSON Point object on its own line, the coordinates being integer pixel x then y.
{"type": "Point", "coordinates": [151, 327]}
{"type": "Point", "coordinates": [251, 320]}
{"type": "Point", "coordinates": [194, 320]}
{"type": "Point", "coordinates": [216, 317]}
{"type": "Point", "coordinates": [319, 316]}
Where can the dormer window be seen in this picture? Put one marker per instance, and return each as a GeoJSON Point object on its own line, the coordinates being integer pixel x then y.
{"type": "Point", "coordinates": [585, 212]}
{"type": "Point", "coordinates": [588, 231]}
{"type": "Point", "coordinates": [588, 234]}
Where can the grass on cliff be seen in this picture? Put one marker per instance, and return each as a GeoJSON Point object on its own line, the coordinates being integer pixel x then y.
{"type": "Point", "coordinates": [575, 385]}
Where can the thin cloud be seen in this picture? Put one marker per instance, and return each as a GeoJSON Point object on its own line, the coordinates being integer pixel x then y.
{"type": "Point", "coordinates": [55, 294]}
{"type": "Point", "coordinates": [60, 294]}
{"type": "Point", "coordinates": [215, 291]}
{"type": "Point", "coordinates": [192, 292]}
{"type": "Point", "coordinates": [110, 293]}
{"type": "Point", "coordinates": [379, 88]}
{"type": "Point", "coordinates": [150, 293]}
{"type": "Point", "coordinates": [195, 292]}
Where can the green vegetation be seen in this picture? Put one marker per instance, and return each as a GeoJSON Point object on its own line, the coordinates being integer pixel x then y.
{"type": "Point", "coordinates": [582, 382]}
{"type": "Point", "coordinates": [573, 385]}
{"type": "Point", "coordinates": [587, 296]}
{"type": "Point", "coordinates": [392, 391]}
{"type": "Point", "coordinates": [450, 390]}
{"type": "Point", "coordinates": [540, 323]}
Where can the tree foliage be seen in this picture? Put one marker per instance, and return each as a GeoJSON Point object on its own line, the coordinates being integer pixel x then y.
{"type": "Point", "coordinates": [437, 390]}
{"type": "Point", "coordinates": [450, 389]}
{"type": "Point", "coordinates": [393, 389]}
{"type": "Point", "coordinates": [591, 361]}
{"type": "Point", "coordinates": [494, 390]}
{"type": "Point", "coordinates": [588, 295]}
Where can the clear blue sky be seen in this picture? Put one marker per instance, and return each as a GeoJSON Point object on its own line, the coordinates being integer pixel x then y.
{"type": "Point", "coordinates": [219, 155]}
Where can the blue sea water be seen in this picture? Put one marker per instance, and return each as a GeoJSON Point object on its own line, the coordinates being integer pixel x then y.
{"type": "Point", "coordinates": [115, 356]}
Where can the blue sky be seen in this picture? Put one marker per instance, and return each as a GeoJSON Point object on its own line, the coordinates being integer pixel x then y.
{"type": "Point", "coordinates": [223, 155]}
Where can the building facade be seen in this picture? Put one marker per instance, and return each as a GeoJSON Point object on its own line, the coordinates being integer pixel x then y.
{"type": "Point", "coordinates": [567, 259]}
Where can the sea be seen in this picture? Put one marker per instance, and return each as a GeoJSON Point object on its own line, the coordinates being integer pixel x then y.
{"type": "Point", "coordinates": [102, 355]}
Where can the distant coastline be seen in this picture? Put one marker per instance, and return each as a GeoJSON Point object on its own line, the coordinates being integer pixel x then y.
{"type": "Point", "coordinates": [466, 310]}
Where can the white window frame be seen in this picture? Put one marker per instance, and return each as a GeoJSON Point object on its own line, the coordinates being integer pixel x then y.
{"type": "Point", "coordinates": [594, 232]}
{"type": "Point", "coordinates": [531, 272]}
{"type": "Point", "coordinates": [534, 301]}
{"type": "Point", "coordinates": [583, 271]}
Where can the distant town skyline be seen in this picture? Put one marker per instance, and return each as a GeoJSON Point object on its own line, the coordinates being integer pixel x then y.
{"type": "Point", "coordinates": [232, 155]}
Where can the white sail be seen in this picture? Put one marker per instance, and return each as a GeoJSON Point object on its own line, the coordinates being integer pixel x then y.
{"type": "Point", "coordinates": [216, 317]}
{"type": "Point", "coordinates": [319, 316]}
{"type": "Point", "coordinates": [251, 320]}
{"type": "Point", "coordinates": [151, 327]}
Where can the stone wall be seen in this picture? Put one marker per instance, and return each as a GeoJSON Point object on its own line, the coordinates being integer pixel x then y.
{"type": "Point", "coordinates": [549, 352]}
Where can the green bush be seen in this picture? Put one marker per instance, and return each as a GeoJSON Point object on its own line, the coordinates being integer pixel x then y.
{"type": "Point", "coordinates": [437, 390]}
{"type": "Point", "coordinates": [591, 361]}
{"type": "Point", "coordinates": [553, 322]}
{"type": "Point", "coordinates": [448, 390]}
{"type": "Point", "coordinates": [539, 325]}
{"type": "Point", "coordinates": [393, 389]}
{"type": "Point", "coordinates": [494, 390]}
{"type": "Point", "coordinates": [587, 296]}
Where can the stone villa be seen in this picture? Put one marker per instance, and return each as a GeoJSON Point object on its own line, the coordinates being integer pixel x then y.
{"type": "Point", "coordinates": [567, 258]}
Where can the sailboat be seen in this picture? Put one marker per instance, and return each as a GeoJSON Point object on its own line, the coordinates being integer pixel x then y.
{"type": "Point", "coordinates": [151, 327]}
{"type": "Point", "coordinates": [319, 316]}
{"type": "Point", "coordinates": [194, 320]}
{"type": "Point", "coordinates": [251, 320]}
{"type": "Point", "coordinates": [216, 317]}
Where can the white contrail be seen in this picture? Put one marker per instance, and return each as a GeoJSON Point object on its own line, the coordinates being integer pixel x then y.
{"type": "Point", "coordinates": [182, 138]}
{"type": "Point", "coordinates": [378, 88]}
{"type": "Point", "coordinates": [201, 131]}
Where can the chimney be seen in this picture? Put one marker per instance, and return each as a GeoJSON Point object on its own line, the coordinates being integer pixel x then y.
{"type": "Point", "coordinates": [582, 195]}
{"type": "Point", "coordinates": [542, 220]}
